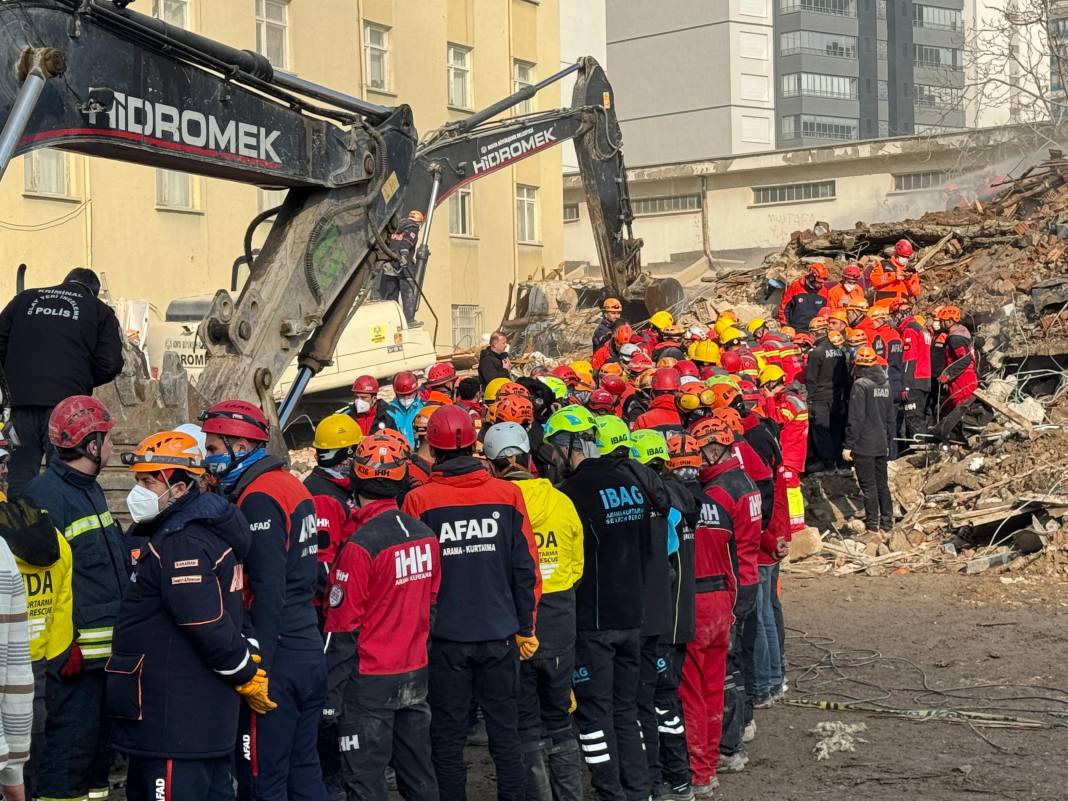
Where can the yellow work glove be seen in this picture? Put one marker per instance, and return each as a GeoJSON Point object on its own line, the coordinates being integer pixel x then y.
{"type": "Point", "coordinates": [528, 646]}
{"type": "Point", "coordinates": [572, 704]}
{"type": "Point", "coordinates": [254, 691]}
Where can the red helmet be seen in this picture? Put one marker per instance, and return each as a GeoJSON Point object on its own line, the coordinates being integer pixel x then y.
{"type": "Point", "coordinates": [852, 272]}
{"type": "Point", "coordinates": [731, 361]}
{"type": "Point", "coordinates": [565, 374]}
{"type": "Point", "coordinates": [639, 363]}
{"type": "Point", "coordinates": [614, 384]}
{"type": "Point", "coordinates": [622, 334]}
{"type": "Point", "coordinates": [749, 362]}
{"type": "Point", "coordinates": [365, 385]}
{"type": "Point", "coordinates": [438, 374]}
{"type": "Point", "coordinates": [76, 418]}
{"type": "Point", "coordinates": [903, 248]}
{"type": "Point", "coordinates": [405, 383]}
{"type": "Point", "coordinates": [601, 400]}
{"type": "Point", "coordinates": [666, 379]}
{"type": "Point", "coordinates": [450, 428]}
{"type": "Point", "coordinates": [686, 367]}
{"type": "Point", "coordinates": [236, 418]}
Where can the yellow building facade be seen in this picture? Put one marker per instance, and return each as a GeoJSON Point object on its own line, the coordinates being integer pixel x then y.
{"type": "Point", "coordinates": [157, 235]}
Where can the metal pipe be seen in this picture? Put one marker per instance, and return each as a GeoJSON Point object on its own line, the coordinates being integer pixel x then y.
{"type": "Point", "coordinates": [25, 103]}
{"type": "Point", "coordinates": [422, 253]}
{"type": "Point", "coordinates": [292, 398]}
{"type": "Point", "coordinates": [525, 93]}
{"type": "Point", "coordinates": [372, 111]}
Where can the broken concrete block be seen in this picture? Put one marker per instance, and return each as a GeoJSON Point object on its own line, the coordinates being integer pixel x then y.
{"type": "Point", "coordinates": [982, 563]}
{"type": "Point", "coordinates": [899, 542]}
{"type": "Point", "coordinates": [1031, 409]}
{"type": "Point", "coordinates": [805, 543]}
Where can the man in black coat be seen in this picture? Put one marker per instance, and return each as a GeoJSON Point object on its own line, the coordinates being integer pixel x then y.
{"type": "Point", "coordinates": [826, 381]}
{"type": "Point", "coordinates": [869, 437]}
{"type": "Point", "coordinates": [55, 342]}
{"type": "Point", "coordinates": [493, 362]}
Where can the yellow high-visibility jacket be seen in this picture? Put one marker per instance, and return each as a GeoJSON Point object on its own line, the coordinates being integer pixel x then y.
{"type": "Point", "coordinates": [557, 531]}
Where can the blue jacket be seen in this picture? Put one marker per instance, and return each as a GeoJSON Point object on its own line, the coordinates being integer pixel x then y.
{"type": "Point", "coordinates": [75, 503]}
{"type": "Point", "coordinates": [402, 420]}
{"type": "Point", "coordinates": [179, 652]}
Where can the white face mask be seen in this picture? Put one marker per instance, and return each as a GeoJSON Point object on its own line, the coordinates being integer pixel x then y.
{"type": "Point", "coordinates": [143, 503]}
{"type": "Point", "coordinates": [407, 401]}
{"type": "Point", "coordinates": [362, 406]}
{"type": "Point", "coordinates": [849, 285]}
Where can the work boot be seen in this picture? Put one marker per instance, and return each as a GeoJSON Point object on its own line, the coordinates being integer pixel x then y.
{"type": "Point", "coordinates": [705, 792]}
{"type": "Point", "coordinates": [733, 763]}
{"type": "Point", "coordinates": [537, 772]}
{"type": "Point", "coordinates": [750, 732]}
{"type": "Point", "coordinates": [886, 525]}
{"type": "Point", "coordinates": [763, 702]}
{"type": "Point", "coordinates": [668, 792]}
{"type": "Point", "coordinates": [565, 771]}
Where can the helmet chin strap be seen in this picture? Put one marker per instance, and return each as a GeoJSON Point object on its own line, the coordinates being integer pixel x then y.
{"type": "Point", "coordinates": [95, 458]}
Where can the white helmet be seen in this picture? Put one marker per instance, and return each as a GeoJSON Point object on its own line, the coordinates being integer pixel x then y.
{"type": "Point", "coordinates": [193, 430]}
{"type": "Point", "coordinates": [628, 351]}
{"type": "Point", "coordinates": [698, 332]}
{"type": "Point", "coordinates": [505, 439]}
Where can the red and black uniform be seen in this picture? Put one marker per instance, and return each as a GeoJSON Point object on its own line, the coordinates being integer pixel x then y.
{"type": "Point", "coordinates": [661, 415]}
{"type": "Point", "coordinates": [916, 364]}
{"type": "Point", "coordinates": [331, 495]}
{"type": "Point", "coordinates": [490, 585]}
{"type": "Point", "coordinates": [278, 756]}
{"type": "Point", "coordinates": [790, 412]}
{"type": "Point", "coordinates": [608, 352]}
{"type": "Point", "coordinates": [757, 468]}
{"type": "Point", "coordinates": [383, 586]}
{"type": "Point", "coordinates": [959, 375]}
{"type": "Point", "coordinates": [800, 303]}
{"type": "Point", "coordinates": [371, 420]}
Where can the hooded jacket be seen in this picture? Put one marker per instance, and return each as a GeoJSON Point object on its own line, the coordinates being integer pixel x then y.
{"type": "Point", "coordinates": [490, 581]}
{"type": "Point", "coordinates": [179, 652]}
{"type": "Point", "coordinates": [44, 560]}
{"type": "Point", "coordinates": [403, 419]}
{"type": "Point", "coordinates": [872, 418]}
{"type": "Point", "coordinates": [661, 415]}
{"type": "Point", "coordinates": [76, 505]}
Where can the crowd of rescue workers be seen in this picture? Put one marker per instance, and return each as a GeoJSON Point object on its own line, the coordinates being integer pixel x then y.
{"type": "Point", "coordinates": [576, 566]}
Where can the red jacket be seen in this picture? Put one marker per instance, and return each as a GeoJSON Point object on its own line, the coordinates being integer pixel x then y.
{"type": "Point", "coordinates": [867, 325]}
{"type": "Point", "coordinates": [371, 420]}
{"type": "Point", "coordinates": [604, 354]}
{"type": "Point", "coordinates": [792, 362]}
{"type": "Point", "coordinates": [727, 484]}
{"type": "Point", "coordinates": [384, 583]}
{"type": "Point", "coordinates": [916, 356]}
{"type": "Point", "coordinates": [662, 414]}
{"type": "Point", "coordinates": [330, 494]}
{"type": "Point", "coordinates": [714, 543]}
{"type": "Point", "coordinates": [959, 373]}
{"type": "Point", "coordinates": [790, 411]}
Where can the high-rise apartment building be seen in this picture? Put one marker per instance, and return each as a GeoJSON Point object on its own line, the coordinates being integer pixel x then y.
{"type": "Point", "coordinates": [863, 69]}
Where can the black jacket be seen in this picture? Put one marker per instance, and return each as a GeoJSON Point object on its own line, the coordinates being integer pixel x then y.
{"type": "Point", "coordinates": [601, 334]}
{"type": "Point", "coordinates": [872, 417]}
{"type": "Point", "coordinates": [56, 342]}
{"type": "Point", "coordinates": [682, 563]}
{"type": "Point", "coordinates": [826, 375]}
{"type": "Point", "coordinates": [491, 365]}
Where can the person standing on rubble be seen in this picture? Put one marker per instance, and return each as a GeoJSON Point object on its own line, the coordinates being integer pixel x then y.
{"type": "Point", "coordinates": [398, 280]}
{"type": "Point", "coordinates": [846, 290]}
{"type": "Point", "coordinates": [804, 298]}
{"type": "Point", "coordinates": [896, 277]}
{"type": "Point", "coordinates": [611, 311]}
{"type": "Point", "coordinates": [870, 436]}
{"type": "Point", "coordinates": [890, 347]}
{"type": "Point", "coordinates": [826, 385]}
{"type": "Point", "coordinates": [916, 364]}
{"type": "Point", "coordinates": [959, 375]}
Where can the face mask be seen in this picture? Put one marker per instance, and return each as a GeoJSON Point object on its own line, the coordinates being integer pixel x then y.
{"type": "Point", "coordinates": [407, 402]}
{"type": "Point", "coordinates": [589, 449]}
{"type": "Point", "coordinates": [218, 463]}
{"type": "Point", "coordinates": [686, 474]}
{"type": "Point", "coordinates": [143, 503]}
{"type": "Point", "coordinates": [849, 285]}
{"type": "Point", "coordinates": [362, 406]}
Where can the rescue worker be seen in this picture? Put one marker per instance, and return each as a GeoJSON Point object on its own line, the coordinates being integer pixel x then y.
{"type": "Point", "coordinates": [787, 408]}
{"type": "Point", "coordinates": [939, 332]}
{"type": "Point", "coordinates": [616, 516]}
{"type": "Point", "coordinates": [869, 438]}
{"type": "Point", "coordinates": [959, 376]}
{"type": "Point", "coordinates": [550, 751]}
{"type": "Point", "coordinates": [610, 350]}
{"type": "Point", "coordinates": [804, 298]}
{"type": "Point", "coordinates": [895, 277]}
{"type": "Point", "coordinates": [179, 658]}
{"type": "Point", "coordinates": [916, 362]}
{"type": "Point", "coordinates": [670, 344]}
{"type": "Point", "coordinates": [858, 319]}
{"type": "Point", "coordinates": [329, 482]}
{"type": "Point", "coordinates": [484, 620]}
{"type": "Point", "coordinates": [890, 347]}
{"type": "Point", "coordinates": [440, 383]}
{"type": "Point", "coordinates": [612, 310]}
{"type": "Point", "coordinates": [468, 396]}
{"type": "Point", "coordinates": [493, 361]}
{"type": "Point", "coordinates": [663, 412]}
{"type": "Point", "coordinates": [704, 354]}
{"type": "Point", "coordinates": [67, 328]}
{"type": "Point", "coordinates": [659, 322]}
{"type": "Point", "coordinates": [367, 409]}
{"type": "Point", "coordinates": [383, 587]}
{"type": "Point", "coordinates": [826, 384]}
{"type": "Point", "coordinates": [398, 280]}
{"type": "Point", "coordinates": [401, 411]}
{"type": "Point", "coordinates": [846, 290]}
{"type": "Point", "coordinates": [43, 558]}
{"type": "Point", "coordinates": [838, 320]}
{"type": "Point", "coordinates": [420, 462]}
{"type": "Point", "coordinates": [76, 759]}
{"type": "Point", "coordinates": [278, 757]}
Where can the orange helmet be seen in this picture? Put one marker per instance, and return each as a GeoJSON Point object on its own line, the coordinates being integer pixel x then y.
{"type": "Point", "coordinates": [512, 390]}
{"type": "Point", "coordinates": [666, 361]}
{"type": "Point", "coordinates": [880, 311]}
{"type": "Point", "coordinates": [711, 429]}
{"type": "Point", "coordinates": [167, 450]}
{"type": "Point", "coordinates": [858, 303]}
{"type": "Point", "coordinates": [514, 409]}
{"type": "Point", "coordinates": [723, 394]}
{"type": "Point", "coordinates": [839, 314]}
{"type": "Point", "coordinates": [949, 314]}
{"type": "Point", "coordinates": [683, 451]}
{"type": "Point", "coordinates": [611, 368]}
{"type": "Point", "coordinates": [422, 417]}
{"type": "Point", "coordinates": [818, 270]}
{"type": "Point", "coordinates": [818, 324]}
{"type": "Point", "coordinates": [805, 340]}
{"type": "Point", "coordinates": [622, 335]}
{"type": "Point", "coordinates": [731, 418]}
{"type": "Point", "coordinates": [866, 357]}
{"type": "Point", "coordinates": [836, 338]}
{"type": "Point", "coordinates": [788, 331]}
{"type": "Point", "coordinates": [382, 456]}
{"type": "Point", "coordinates": [611, 305]}
{"type": "Point", "coordinates": [645, 380]}
{"type": "Point", "coordinates": [856, 337]}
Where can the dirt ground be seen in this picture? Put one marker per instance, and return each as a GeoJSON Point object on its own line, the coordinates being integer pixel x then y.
{"type": "Point", "coordinates": [961, 631]}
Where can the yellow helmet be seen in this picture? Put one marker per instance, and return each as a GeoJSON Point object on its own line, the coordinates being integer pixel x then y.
{"type": "Point", "coordinates": [704, 351]}
{"type": "Point", "coordinates": [661, 320]}
{"type": "Point", "coordinates": [756, 324]}
{"type": "Point", "coordinates": [730, 334]}
{"type": "Point", "coordinates": [771, 373]}
{"type": "Point", "coordinates": [489, 394]}
{"type": "Point", "coordinates": [584, 370]}
{"type": "Point", "coordinates": [335, 432]}
{"type": "Point", "coordinates": [726, 319]}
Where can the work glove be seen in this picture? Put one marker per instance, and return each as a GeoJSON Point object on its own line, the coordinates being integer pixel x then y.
{"type": "Point", "coordinates": [254, 691]}
{"type": "Point", "coordinates": [572, 704]}
{"type": "Point", "coordinates": [528, 646]}
{"type": "Point", "coordinates": [73, 666]}
{"type": "Point", "coordinates": [847, 455]}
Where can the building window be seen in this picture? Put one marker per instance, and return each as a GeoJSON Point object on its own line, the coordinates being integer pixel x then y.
{"type": "Point", "coordinates": [461, 218]}
{"type": "Point", "coordinates": [916, 181]}
{"type": "Point", "coordinates": [945, 19]}
{"type": "Point", "coordinates": [883, 90]}
{"type": "Point", "coordinates": [930, 56]}
{"type": "Point", "coordinates": [1058, 28]}
{"type": "Point", "coordinates": [843, 8]}
{"type": "Point", "coordinates": [459, 76]}
{"type": "Point", "coordinates": [271, 32]}
{"type": "Point", "coordinates": [466, 326]}
{"type": "Point", "coordinates": [571, 212]}
{"type": "Point", "coordinates": [522, 77]}
{"type": "Point", "coordinates": [174, 190]}
{"type": "Point", "coordinates": [47, 172]}
{"type": "Point", "coordinates": [819, 127]}
{"type": "Point", "coordinates": [793, 193]}
{"type": "Point", "coordinates": [813, 84]}
{"type": "Point", "coordinates": [941, 97]}
{"type": "Point", "coordinates": [376, 56]}
{"type": "Point", "coordinates": [173, 12]}
{"type": "Point", "coordinates": [814, 43]}
{"type": "Point", "coordinates": [526, 213]}
{"type": "Point", "coordinates": [646, 206]}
